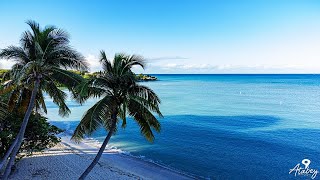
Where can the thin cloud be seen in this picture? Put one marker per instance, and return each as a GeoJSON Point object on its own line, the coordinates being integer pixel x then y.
{"type": "Point", "coordinates": [167, 58]}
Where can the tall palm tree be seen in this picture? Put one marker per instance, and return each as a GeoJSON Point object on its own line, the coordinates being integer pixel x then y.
{"type": "Point", "coordinates": [120, 96]}
{"type": "Point", "coordinates": [41, 63]}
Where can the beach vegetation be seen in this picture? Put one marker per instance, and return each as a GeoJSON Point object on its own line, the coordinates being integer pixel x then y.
{"type": "Point", "coordinates": [39, 134]}
{"type": "Point", "coordinates": [3, 73]}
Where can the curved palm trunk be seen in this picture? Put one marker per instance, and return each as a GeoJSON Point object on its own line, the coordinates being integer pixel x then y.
{"type": "Point", "coordinates": [102, 148]}
{"type": "Point", "coordinates": [22, 129]}
{"type": "Point", "coordinates": [6, 156]}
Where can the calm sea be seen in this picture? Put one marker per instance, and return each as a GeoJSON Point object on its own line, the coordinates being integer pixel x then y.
{"type": "Point", "coordinates": [226, 126]}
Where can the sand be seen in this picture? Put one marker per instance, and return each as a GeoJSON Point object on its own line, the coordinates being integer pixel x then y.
{"type": "Point", "coordinates": [67, 160]}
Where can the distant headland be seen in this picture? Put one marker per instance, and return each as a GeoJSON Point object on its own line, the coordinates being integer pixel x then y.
{"type": "Point", "coordinates": [146, 77]}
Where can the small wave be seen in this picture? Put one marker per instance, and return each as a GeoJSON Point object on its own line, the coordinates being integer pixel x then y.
{"type": "Point", "coordinates": [113, 149]}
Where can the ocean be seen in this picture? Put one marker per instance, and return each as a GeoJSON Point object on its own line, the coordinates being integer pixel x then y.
{"type": "Point", "coordinates": [225, 126]}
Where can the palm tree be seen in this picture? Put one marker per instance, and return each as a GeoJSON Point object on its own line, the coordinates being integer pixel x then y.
{"type": "Point", "coordinates": [120, 96]}
{"type": "Point", "coordinates": [40, 64]}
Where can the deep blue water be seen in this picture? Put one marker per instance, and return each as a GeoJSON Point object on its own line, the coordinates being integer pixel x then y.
{"type": "Point", "coordinates": [226, 126]}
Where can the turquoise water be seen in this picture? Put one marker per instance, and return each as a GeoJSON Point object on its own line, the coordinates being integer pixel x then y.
{"type": "Point", "coordinates": [226, 126]}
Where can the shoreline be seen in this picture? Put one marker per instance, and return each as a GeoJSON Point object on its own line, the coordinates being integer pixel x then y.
{"type": "Point", "coordinates": [67, 160]}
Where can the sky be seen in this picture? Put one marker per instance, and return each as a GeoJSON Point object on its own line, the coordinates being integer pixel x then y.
{"type": "Point", "coordinates": [181, 36]}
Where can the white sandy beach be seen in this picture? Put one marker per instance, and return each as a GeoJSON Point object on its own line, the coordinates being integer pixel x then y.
{"type": "Point", "coordinates": [68, 160]}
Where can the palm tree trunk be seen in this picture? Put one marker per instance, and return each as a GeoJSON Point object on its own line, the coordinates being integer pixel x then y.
{"type": "Point", "coordinates": [6, 156]}
{"type": "Point", "coordinates": [102, 148]}
{"type": "Point", "coordinates": [22, 129]}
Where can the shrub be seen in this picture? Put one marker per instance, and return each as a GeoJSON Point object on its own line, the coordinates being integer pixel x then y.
{"type": "Point", "coordinates": [3, 72]}
{"type": "Point", "coordinates": [39, 134]}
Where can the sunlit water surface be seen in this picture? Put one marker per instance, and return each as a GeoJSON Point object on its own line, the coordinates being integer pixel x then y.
{"type": "Point", "coordinates": [225, 126]}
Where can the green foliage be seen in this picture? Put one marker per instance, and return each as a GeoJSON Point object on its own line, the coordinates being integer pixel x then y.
{"type": "Point", "coordinates": [41, 61]}
{"type": "Point", "coordinates": [90, 75]}
{"type": "Point", "coordinates": [121, 96]}
{"type": "Point", "coordinates": [44, 54]}
{"type": "Point", "coordinates": [3, 72]}
{"type": "Point", "coordinates": [82, 73]}
{"type": "Point", "coordinates": [39, 133]}
{"type": "Point", "coordinates": [38, 136]}
{"type": "Point", "coordinates": [145, 77]}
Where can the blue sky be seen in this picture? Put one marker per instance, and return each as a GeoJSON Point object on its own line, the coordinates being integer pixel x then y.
{"type": "Point", "coordinates": [181, 36]}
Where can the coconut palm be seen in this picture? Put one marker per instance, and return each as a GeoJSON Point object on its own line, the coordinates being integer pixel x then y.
{"type": "Point", "coordinates": [41, 62]}
{"type": "Point", "coordinates": [120, 96]}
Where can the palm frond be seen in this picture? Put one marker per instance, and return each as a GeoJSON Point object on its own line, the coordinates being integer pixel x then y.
{"type": "Point", "coordinates": [97, 116]}
{"type": "Point", "coordinates": [66, 78]}
{"type": "Point", "coordinates": [147, 97]}
{"type": "Point", "coordinates": [86, 90]}
{"type": "Point", "coordinates": [61, 36]}
{"type": "Point", "coordinates": [144, 126]}
{"type": "Point", "coordinates": [144, 118]}
{"type": "Point", "coordinates": [59, 97]}
{"type": "Point", "coordinates": [147, 104]}
{"type": "Point", "coordinates": [106, 64]}
{"type": "Point", "coordinates": [135, 60]}
{"type": "Point", "coordinates": [26, 40]}
{"type": "Point", "coordinates": [40, 103]}
{"type": "Point", "coordinates": [66, 57]}
{"type": "Point", "coordinates": [145, 112]}
{"type": "Point", "coordinates": [35, 27]}
{"type": "Point", "coordinates": [14, 53]}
